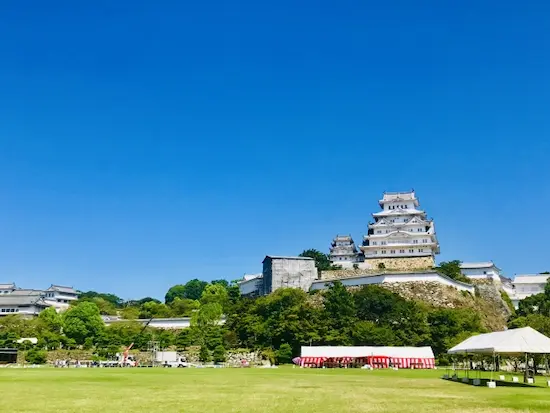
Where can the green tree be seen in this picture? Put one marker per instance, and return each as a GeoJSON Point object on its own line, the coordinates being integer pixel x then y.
{"type": "Point", "coordinates": [194, 288]}
{"type": "Point", "coordinates": [452, 270]}
{"type": "Point", "coordinates": [184, 307]}
{"type": "Point", "coordinates": [284, 354]}
{"type": "Point", "coordinates": [51, 320]}
{"type": "Point", "coordinates": [36, 356]}
{"type": "Point", "coordinates": [367, 333]}
{"type": "Point", "coordinates": [130, 313]}
{"type": "Point", "coordinates": [215, 293]}
{"type": "Point", "coordinates": [114, 300]}
{"type": "Point", "coordinates": [340, 313]}
{"type": "Point", "coordinates": [223, 283]}
{"type": "Point", "coordinates": [177, 291]}
{"type": "Point", "coordinates": [322, 261]}
{"type": "Point", "coordinates": [82, 321]}
{"type": "Point", "coordinates": [204, 354]}
{"type": "Point", "coordinates": [153, 309]}
{"type": "Point", "coordinates": [218, 355]}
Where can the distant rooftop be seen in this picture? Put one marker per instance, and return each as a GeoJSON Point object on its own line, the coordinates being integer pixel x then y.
{"type": "Point", "coordinates": [281, 257]}
{"type": "Point", "coordinates": [13, 299]}
{"type": "Point", "coordinates": [9, 286]}
{"type": "Point", "coordinates": [531, 278]}
{"type": "Point", "coordinates": [62, 289]}
{"type": "Point", "coordinates": [474, 265]}
{"type": "Point", "coordinates": [27, 291]}
{"type": "Point", "coordinates": [248, 277]}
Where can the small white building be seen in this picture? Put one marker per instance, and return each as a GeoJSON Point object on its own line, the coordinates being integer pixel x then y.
{"type": "Point", "coordinates": [31, 302]}
{"type": "Point", "coordinates": [250, 285]}
{"type": "Point", "coordinates": [481, 270]}
{"type": "Point", "coordinates": [527, 285]}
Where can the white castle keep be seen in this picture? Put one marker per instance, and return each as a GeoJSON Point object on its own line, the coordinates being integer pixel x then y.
{"type": "Point", "coordinates": [400, 231]}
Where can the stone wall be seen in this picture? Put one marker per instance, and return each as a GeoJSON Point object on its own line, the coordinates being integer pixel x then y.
{"type": "Point", "coordinates": [487, 303]}
{"type": "Point", "coordinates": [409, 264]}
{"type": "Point", "coordinates": [403, 264]}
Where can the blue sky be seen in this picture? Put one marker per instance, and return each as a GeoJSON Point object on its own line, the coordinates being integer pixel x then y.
{"type": "Point", "coordinates": [143, 144]}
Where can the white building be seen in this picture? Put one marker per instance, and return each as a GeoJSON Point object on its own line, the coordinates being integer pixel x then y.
{"type": "Point", "coordinates": [396, 277]}
{"type": "Point", "coordinates": [481, 270]}
{"type": "Point", "coordinates": [251, 284]}
{"type": "Point", "coordinates": [280, 272]}
{"type": "Point", "coordinates": [343, 251]}
{"type": "Point", "coordinates": [287, 272]}
{"type": "Point", "coordinates": [31, 302]}
{"type": "Point", "coordinates": [400, 229]}
{"type": "Point", "coordinates": [527, 285]}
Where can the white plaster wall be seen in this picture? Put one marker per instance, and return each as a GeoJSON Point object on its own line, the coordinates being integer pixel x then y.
{"type": "Point", "coordinates": [250, 286]}
{"type": "Point", "coordinates": [397, 278]}
{"type": "Point", "coordinates": [478, 273]}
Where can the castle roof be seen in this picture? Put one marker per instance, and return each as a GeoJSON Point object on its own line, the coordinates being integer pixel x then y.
{"type": "Point", "coordinates": [398, 196]}
{"type": "Point", "coordinates": [62, 289]}
{"type": "Point", "coordinates": [531, 278]}
{"type": "Point", "coordinates": [8, 286]}
{"type": "Point", "coordinates": [398, 211]}
{"type": "Point", "coordinates": [474, 265]}
{"type": "Point", "coordinates": [282, 257]}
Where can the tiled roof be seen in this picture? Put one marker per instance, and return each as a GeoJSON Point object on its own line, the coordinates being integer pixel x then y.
{"type": "Point", "coordinates": [62, 289]}
{"type": "Point", "coordinates": [473, 265]}
{"type": "Point", "coordinates": [286, 258]}
{"type": "Point", "coordinates": [531, 279]}
{"type": "Point", "coordinates": [26, 291]}
{"type": "Point", "coordinates": [11, 299]}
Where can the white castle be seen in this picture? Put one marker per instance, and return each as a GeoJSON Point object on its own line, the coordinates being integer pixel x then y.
{"type": "Point", "coordinates": [400, 231]}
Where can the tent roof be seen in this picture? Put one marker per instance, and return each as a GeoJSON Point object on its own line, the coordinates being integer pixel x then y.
{"type": "Point", "coordinates": [364, 351]}
{"type": "Point", "coordinates": [515, 341]}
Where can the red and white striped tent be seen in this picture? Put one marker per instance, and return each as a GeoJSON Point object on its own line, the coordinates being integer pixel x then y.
{"type": "Point", "coordinates": [377, 357]}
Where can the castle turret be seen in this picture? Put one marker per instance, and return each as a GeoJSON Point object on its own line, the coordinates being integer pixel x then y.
{"type": "Point", "coordinates": [343, 251]}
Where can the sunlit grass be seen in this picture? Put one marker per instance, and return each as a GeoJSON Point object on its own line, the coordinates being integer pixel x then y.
{"type": "Point", "coordinates": [255, 390]}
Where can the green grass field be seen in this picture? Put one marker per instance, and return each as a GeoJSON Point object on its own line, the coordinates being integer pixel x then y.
{"type": "Point", "coordinates": [255, 390]}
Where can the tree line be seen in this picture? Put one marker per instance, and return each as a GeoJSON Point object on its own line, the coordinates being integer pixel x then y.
{"type": "Point", "coordinates": [277, 324]}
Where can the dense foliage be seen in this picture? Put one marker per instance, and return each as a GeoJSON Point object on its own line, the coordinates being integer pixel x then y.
{"type": "Point", "coordinates": [277, 324]}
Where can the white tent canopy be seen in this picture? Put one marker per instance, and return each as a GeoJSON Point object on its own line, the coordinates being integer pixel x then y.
{"type": "Point", "coordinates": [364, 351]}
{"type": "Point", "coordinates": [515, 341]}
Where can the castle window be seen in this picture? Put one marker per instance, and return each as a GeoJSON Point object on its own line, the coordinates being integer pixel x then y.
{"type": "Point", "coordinates": [392, 252]}
{"type": "Point", "coordinates": [415, 241]}
{"type": "Point", "coordinates": [383, 251]}
{"type": "Point", "coordinates": [421, 250]}
{"type": "Point", "coordinates": [378, 232]}
{"type": "Point", "coordinates": [425, 241]}
{"type": "Point", "coordinates": [402, 251]}
{"type": "Point", "coordinates": [374, 243]}
{"type": "Point", "coordinates": [411, 251]}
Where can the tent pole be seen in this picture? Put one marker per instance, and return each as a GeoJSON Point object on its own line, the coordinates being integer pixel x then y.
{"type": "Point", "coordinates": [494, 364]}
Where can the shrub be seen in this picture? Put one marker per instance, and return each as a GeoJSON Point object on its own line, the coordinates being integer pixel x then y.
{"type": "Point", "coordinates": [204, 355]}
{"type": "Point", "coordinates": [219, 354]}
{"type": "Point", "coordinates": [36, 356]}
{"type": "Point", "coordinates": [284, 354]}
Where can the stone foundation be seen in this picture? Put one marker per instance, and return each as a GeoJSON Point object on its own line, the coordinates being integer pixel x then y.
{"type": "Point", "coordinates": [370, 266]}
{"type": "Point", "coordinates": [402, 264]}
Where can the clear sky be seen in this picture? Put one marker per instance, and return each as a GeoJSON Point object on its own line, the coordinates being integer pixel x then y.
{"type": "Point", "coordinates": [145, 143]}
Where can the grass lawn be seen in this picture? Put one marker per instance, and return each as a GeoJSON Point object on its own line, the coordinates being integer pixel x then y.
{"type": "Point", "coordinates": [281, 390]}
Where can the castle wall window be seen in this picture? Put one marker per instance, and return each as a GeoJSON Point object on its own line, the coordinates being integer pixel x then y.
{"type": "Point", "coordinates": [415, 241]}
{"type": "Point", "coordinates": [392, 252]}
